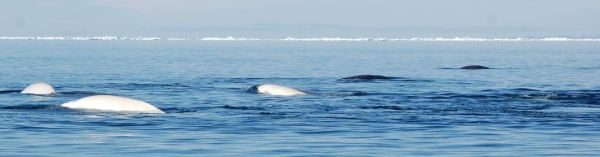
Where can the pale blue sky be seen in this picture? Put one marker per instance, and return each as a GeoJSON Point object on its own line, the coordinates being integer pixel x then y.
{"type": "Point", "coordinates": [280, 18]}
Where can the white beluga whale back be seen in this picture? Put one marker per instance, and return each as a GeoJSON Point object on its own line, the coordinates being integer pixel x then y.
{"type": "Point", "coordinates": [39, 88]}
{"type": "Point", "coordinates": [277, 90]}
{"type": "Point", "coordinates": [109, 103]}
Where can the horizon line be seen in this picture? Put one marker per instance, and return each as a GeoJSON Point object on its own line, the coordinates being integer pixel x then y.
{"type": "Point", "coordinates": [329, 39]}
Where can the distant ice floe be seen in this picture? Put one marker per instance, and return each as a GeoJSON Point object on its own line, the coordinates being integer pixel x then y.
{"type": "Point", "coordinates": [229, 38]}
{"type": "Point", "coordinates": [79, 38]}
{"type": "Point", "coordinates": [333, 39]}
{"type": "Point", "coordinates": [315, 39]}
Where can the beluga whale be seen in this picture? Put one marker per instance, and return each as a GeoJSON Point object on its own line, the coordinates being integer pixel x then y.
{"type": "Point", "coordinates": [275, 90]}
{"type": "Point", "coordinates": [110, 103]}
{"type": "Point", "coordinates": [474, 67]}
{"type": "Point", "coordinates": [39, 88]}
{"type": "Point", "coordinates": [367, 77]}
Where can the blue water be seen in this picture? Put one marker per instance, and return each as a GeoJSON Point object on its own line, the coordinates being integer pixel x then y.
{"type": "Point", "coordinates": [541, 98]}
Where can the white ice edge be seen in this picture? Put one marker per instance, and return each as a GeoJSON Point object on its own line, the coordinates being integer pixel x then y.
{"type": "Point", "coordinates": [324, 39]}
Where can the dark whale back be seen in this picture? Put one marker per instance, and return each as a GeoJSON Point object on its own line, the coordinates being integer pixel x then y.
{"type": "Point", "coordinates": [367, 77]}
{"type": "Point", "coordinates": [474, 67]}
{"type": "Point", "coordinates": [253, 89]}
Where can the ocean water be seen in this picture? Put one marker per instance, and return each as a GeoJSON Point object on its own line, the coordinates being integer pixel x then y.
{"type": "Point", "coordinates": [541, 98]}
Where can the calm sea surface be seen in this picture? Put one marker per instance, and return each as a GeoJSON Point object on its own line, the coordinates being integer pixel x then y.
{"type": "Point", "coordinates": [542, 98]}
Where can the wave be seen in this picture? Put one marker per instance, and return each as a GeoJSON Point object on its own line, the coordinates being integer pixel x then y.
{"type": "Point", "coordinates": [9, 91]}
{"type": "Point", "coordinates": [313, 39]}
{"type": "Point", "coordinates": [30, 107]}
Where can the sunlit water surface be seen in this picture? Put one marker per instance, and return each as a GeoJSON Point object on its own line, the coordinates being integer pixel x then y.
{"type": "Point", "coordinates": [541, 98]}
